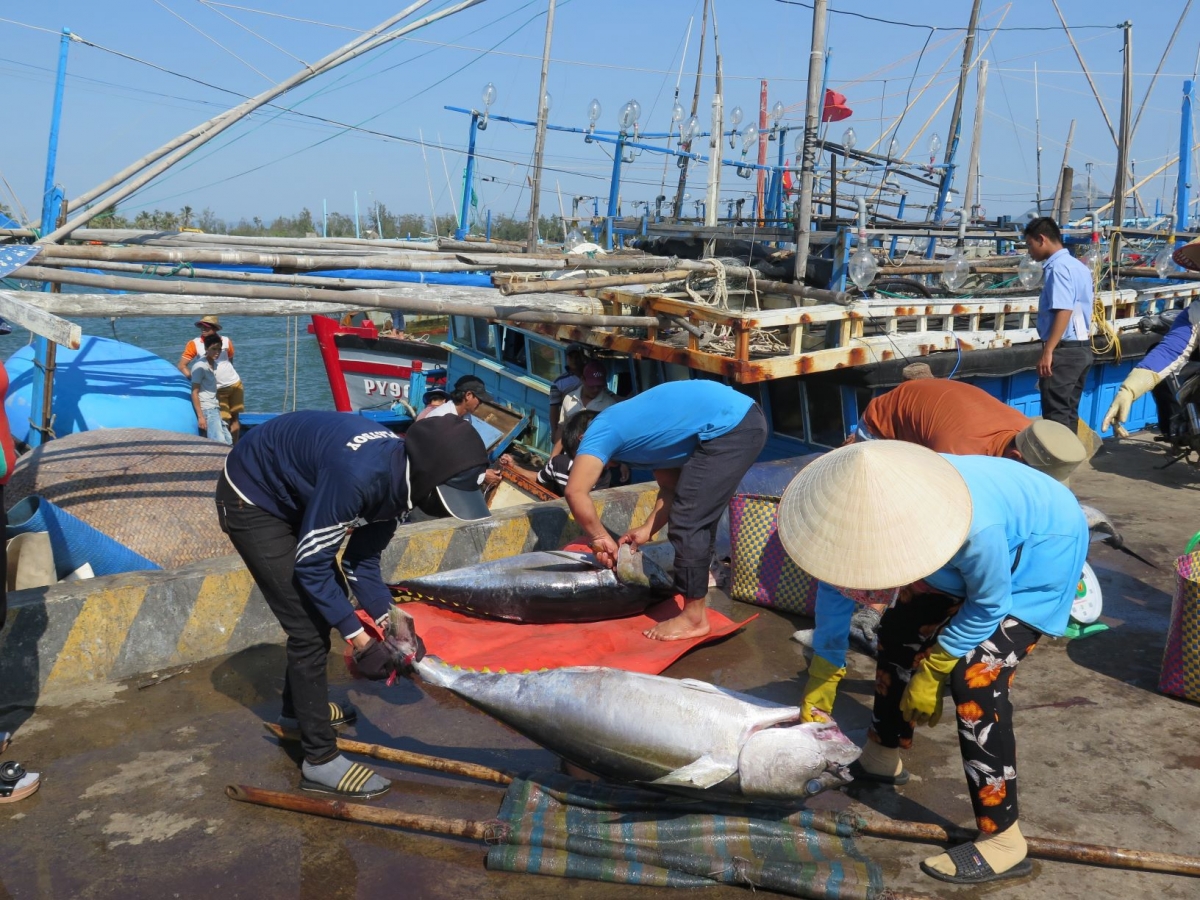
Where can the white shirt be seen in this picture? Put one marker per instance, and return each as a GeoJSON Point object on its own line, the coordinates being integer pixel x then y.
{"type": "Point", "coordinates": [573, 403]}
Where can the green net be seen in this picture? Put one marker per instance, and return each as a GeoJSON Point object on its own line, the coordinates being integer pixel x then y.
{"type": "Point", "coordinates": [553, 825]}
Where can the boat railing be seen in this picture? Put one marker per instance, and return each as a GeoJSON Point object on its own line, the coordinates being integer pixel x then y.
{"type": "Point", "coordinates": [751, 345]}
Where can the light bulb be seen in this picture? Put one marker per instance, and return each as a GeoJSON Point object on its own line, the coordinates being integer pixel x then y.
{"type": "Point", "coordinates": [1164, 264]}
{"type": "Point", "coordinates": [1029, 272]}
{"type": "Point", "coordinates": [799, 144]}
{"type": "Point", "coordinates": [935, 143]}
{"type": "Point", "coordinates": [849, 138]}
{"type": "Point", "coordinates": [574, 239]}
{"type": "Point", "coordinates": [489, 95]}
{"type": "Point", "coordinates": [626, 119]}
{"type": "Point", "coordinates": [547, 100]}
{"type": "Point", "coordinates": [749, 138]}
{"type": "Point", "coordinates": [955, 271]}
{"type": "Point", "coordinates": [893, 148]}
{"type": "Point", "coordinates": [691, 130]}
{"type": "Point", "coordinates": [594, 110]}
{"type": "Point", "coordinates": [777, 112]}
{"type": "Point", "coordinates": [676, 113]}
{"type": "Point", "coordinates": [735, 116]}
{"type": "Point", "coordinates": [863, 267]}
{"type": "Point", "coordinates": [1094, 258]}
{"type": "Point", "coordinates": [637, 110]}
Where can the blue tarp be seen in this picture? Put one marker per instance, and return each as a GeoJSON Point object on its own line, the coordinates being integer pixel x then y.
{"type": "Point", "coordinates": [73, 541]}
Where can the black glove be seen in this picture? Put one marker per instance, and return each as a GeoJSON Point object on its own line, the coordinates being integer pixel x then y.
{"type": "Point", "coordinates": [405, 654]}
{"type": "Point", "coordinates": [374, 661]}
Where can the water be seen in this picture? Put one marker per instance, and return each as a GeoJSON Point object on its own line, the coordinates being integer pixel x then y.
{"type": "Point", "coordinates": [263, 354]}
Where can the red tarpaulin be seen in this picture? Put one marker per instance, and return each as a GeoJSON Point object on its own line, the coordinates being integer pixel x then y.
{"type": "Point", "coordinates": [835, 107]}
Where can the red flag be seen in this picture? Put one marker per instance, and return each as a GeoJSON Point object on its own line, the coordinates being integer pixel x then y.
{"type": "Point", "coordinates": [835, 107]}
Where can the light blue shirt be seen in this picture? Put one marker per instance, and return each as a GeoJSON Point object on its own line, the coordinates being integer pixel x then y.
{"type": "Point", "coordinates": [1067, 285]}
{"type": "Point", "coordinates": [660, 428]}
{"type": "Point", "coordinates": [1013, 506]}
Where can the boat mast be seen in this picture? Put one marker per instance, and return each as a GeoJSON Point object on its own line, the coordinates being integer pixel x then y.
{"type": "Point", "coordinates": [713, 198]}
{"type": "Point", "coordinates": [687, 145]}
{"type": "Point", "coordinates": [956, 117]}
{"type": "Point", "coordinates": [812, 118]}
{"type": "Point", "coordinates": [969, 198]}
{"type": "Point", "coordinates": [1124, 126]}
{"type": "Point", "coordinates": [539, 143]}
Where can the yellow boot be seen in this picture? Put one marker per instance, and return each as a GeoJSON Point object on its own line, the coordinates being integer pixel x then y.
{"type": "Point", "coordinates": [990, 858]}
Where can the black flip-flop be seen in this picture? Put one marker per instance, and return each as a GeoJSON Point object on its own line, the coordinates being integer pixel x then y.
{"type": "Point", "coordinates": [971, 868]}
{"type": "Point", "coordinates": [858, 773]}
{"type": "Point", "coordinates": [15, 783]}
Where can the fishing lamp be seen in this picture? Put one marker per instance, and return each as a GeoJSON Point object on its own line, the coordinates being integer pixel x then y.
{"type": "Point", "coordinates": [776, 118]}
{"type": "Point", "coordinates": [625, 119]}
{"type": "Point", "coordinates": [849, 139]}
{"type": "Point", "coordinates": [489, 97]}
{"type": "Point", "coordinates": [935, 144]}
{"type": "Point", "coordinates": [546, 101]}
{"type": "Point", "coordinates": [956, 270]}
{"type": "Point", "coordinates": [1029, 272]}
{"type": "Point", "coordinates": [893, 148]}
{"type": "Point", "coordinates": [676, 115]}
{"type": "Point", "coordinates": [1164, 262]}
{"type": "Point", "coordinates": [691, 129]}
{"type": "Point", "coordinates": [735, 119]}
{"type": "Point", "coordinates": [594, 110]}
{"type": "Point", "coordinates": [749, 138]}
{"type": "Point", "coordinates": [636, 109]}
{"type": "Point", "coordinates": [862, 265]}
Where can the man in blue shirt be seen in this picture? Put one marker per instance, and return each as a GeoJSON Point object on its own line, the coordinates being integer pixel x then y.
{"type": "Point", "coordinates": [980, 557]}
{"type": "Point", "coordinates": [1064, 322]}
{"type": "Point", "coordinates": [293, 492]}
{"type": "Point", "coordinates": [700, 437]}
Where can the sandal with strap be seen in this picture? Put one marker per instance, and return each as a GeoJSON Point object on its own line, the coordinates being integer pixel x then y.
{"type": "Point", "coordinates": [340, 716]}
{"type": "Point", "coordinates": [971, 868]}
{"type": "Point", "coordinates": [858, 773]}
{"type": "Point", "coordinates": [15, 783]}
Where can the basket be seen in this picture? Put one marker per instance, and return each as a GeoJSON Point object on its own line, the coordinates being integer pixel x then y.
{"type": "Point", "coordinates": [1180, 674]}
{"type": "Point", "coordinates": [762, 572]}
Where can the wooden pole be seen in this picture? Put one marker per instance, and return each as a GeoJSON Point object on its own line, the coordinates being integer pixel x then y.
{"type": "Point", "coordinates": [1066, 187]}
{"type": "Point", "coordinates": [360, 299]}
{"type": "Point", "coordinates": [360, 812]}
{"type": "Point", "coordinates": [539, 141]}
{"type": "Point", "coordinates": [201, 135]}
{"type": "Point", "coordinates": [406, 758]}
{"type": "Point", "coordinates": [712, 198]}
{"type": "Point", "coordinates": [1162, 59]}
{"type": "Point", "coordinates": [1041, 848]}
{"type": "Point", "coordinates": [976, 139]}
{"type": "Point", "coordinates": [39, 322]}
{"type": "Point", "coordinates": [687, 145]}
{"type": "Point", "coordinates": [565, 285]}
{"type": "Point", "coordinates": [1058, 186]}
{"type": "Point", "coordinates": [812, 122]}
{"type": "Point", "coordinates": [1087, 73]}
{"type": "Point", "coordinates": [1123, 147]}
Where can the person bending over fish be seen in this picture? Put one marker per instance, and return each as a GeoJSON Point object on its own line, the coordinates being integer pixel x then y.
{"type": "Point", "coordinates": [291, 492]}
{"type": "Point", "coordinates": [700, 437]}
{"type": "Point", "coordinates": [979, 557]}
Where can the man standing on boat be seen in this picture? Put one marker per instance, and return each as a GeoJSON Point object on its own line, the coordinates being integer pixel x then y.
{"type": "Point", "coordinates": [700, 437]}
{"type": "Point", "coordinates": [230, 394]}
{"type": "Point", "coordinates": [563, 385]}
{"type": "Point", "coordinates": [469, 391]}
{"type": "Point", "coordinates": [592, 393]}
{"type": "Point", "coordinates": [204, 392]}
{"type": "Point", "coordinates": [1064, 322]}
{"type": "Point", "coordinates": [290, 495]}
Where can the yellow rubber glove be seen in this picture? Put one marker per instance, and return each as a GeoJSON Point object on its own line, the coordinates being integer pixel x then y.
{"type": "Point", "coordinates": [1136, 383]}
{"type": "Point", "coordinates": [922, 700]}
{"type": "Point", "coordinates": [820, 691]}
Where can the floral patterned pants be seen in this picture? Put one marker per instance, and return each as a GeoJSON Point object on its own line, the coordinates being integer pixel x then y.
{"type": "Point", "coordinates": [979, 685]}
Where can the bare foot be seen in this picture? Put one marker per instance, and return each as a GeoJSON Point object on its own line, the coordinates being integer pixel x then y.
{"type": "Point", "coordinates": [692, 622]}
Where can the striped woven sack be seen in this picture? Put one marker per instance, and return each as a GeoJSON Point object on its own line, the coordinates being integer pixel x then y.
{"type": "Point", "coordinates": [763, 573]}
{"type": "Point", "coordinates": [1180, 675]}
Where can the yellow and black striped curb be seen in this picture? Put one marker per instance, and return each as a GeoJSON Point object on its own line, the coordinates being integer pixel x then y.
{"type": "Point", "coordinates": [119, 626]}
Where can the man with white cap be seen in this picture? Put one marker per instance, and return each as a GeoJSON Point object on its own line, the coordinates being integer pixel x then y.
{"type": "Point", "coordinates": [295, 490]}
{"type": "Point", "coordinates": [980, 557]}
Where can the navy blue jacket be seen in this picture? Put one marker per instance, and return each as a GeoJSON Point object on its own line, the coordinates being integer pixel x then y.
{"type": "Point", "coordinates": [326, 474]}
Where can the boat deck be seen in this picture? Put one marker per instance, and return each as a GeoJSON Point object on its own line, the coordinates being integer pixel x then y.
{"type": "Point", "coordinates": [134, 776]}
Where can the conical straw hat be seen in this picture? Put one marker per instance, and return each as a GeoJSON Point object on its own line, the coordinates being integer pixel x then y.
{"type": "Point", "coordinates": [876, 514]}
{"type": "Point", "coordinates": [1188, 256]}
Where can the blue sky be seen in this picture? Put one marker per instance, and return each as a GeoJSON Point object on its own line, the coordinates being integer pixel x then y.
{"type": "Point", "coordinates": [117, 109]}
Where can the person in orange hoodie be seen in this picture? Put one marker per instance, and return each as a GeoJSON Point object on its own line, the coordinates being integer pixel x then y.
{"type": "Point", "coordinates": [15, 782]}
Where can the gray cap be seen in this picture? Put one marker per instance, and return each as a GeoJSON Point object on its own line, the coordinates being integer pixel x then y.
{"type": "Point", "coordinates": [1051, 447]}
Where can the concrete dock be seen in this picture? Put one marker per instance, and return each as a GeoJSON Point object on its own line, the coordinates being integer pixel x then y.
{"type": "Point", "coordinates": [134, 770]}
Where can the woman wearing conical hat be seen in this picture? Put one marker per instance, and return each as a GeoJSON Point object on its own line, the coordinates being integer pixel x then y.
{"type": "Point", "coordinates": [979, 557]}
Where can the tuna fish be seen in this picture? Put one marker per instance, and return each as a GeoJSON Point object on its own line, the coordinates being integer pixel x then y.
{"type": "Point", "coordinates": [1103, 529]}
{"type": "Point", "coordinates": [544, 587]}
{"type": "Point", "coordinates": [660, 732]}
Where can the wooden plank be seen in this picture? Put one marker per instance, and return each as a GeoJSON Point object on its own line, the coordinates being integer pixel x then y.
{"type": "Point", "coordinates": [17, 310]}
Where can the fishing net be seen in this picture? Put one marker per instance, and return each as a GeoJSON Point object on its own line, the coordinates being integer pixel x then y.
{"type": "Point", "coordinates": [553, 825]}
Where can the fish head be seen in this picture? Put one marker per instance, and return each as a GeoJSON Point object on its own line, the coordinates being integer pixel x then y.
{"type": "Point", "coordinates": [795, 762]}
{"type": "Point", "coordinates": [402, 640]}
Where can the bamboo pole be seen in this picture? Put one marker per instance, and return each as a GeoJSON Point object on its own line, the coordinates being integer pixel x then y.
{"type": "Point", "coordinates": [394, 299]}
{"type": "Point", "coordinates": [214, 127]}
{"type": "Point", "coordinates": [677, 212]}
{"type": "Point", "coordinates": [17, 310]}
{"type": "Point", "coordinates": [1059, 187]}
{"type": "Point", "coordinates": [539, 139]}
{"type": "Point", "coordinates": [1041, 848]}
{"type": "Point", "coordinates": [360, 812]}
{"type": "Point", "coordinates": [84, 305]}
{"type": "Point", "coordinates": [406, 758]}
{"type": "Point", "coordinates": [392, 263]}
{"type": "Point", "coordinates": [563, 285]}
{"type": "Point", "coordinates": [175, 238]}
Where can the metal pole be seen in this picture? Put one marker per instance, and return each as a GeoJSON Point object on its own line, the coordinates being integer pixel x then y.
{"type": "Point", "coordinates": [44, 351]}
{"type": "Point", "coordinates": [539, 143]}
{"type": "Point", "coordinates": [812, 120]}
{"type": "Point", "coordinates": [713, 196]}
{"type": "Point", "coordinates": [357, 233]}
{"type": "Point", "coordinates": [1183, 188]}
{"type": "Point", "coordinates": [324, 218]}
{"type": "Point", "coordinates": [614, 187]}
{"type": "Point", "coordinates": [468, 181]}
{"type": "Point", "coordinates": [1037, 136]}
{"type": "Point", "coordinates": [687, 145]}
{"type": "Point", "coordinates": [762, 144]}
